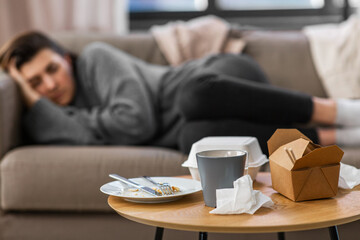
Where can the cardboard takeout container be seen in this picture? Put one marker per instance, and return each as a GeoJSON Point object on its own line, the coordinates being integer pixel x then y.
{"type": "Point", "coordinates": [312, 174]}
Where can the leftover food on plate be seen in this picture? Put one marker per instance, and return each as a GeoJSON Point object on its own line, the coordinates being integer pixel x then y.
{"type": "Point", "coordinates": [174, 189]}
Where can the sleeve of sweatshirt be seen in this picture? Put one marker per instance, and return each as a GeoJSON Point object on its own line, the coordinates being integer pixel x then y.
{"type": "Point", "coordinates": [127, 118]}
{"type": "Point", "coordinates": [48, 123]}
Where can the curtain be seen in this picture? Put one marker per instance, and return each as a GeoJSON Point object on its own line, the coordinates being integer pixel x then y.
{"type": "Point", "coordinates": [62, 15]}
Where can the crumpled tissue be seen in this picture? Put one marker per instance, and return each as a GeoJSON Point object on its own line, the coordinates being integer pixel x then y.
{"type": "Point", "coordinates": [349, 176]}
{"type": "Point", "coordinates": [240, 199]}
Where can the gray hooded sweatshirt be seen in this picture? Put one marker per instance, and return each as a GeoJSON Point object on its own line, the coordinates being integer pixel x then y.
{"type": "Point", "coordinates": [120, 100]}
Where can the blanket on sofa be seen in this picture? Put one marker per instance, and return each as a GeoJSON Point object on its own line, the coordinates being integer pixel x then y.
{"type": "Point", "coordinates": [182, 41]}
{"type": "Point", "coordinates": [336, 54]}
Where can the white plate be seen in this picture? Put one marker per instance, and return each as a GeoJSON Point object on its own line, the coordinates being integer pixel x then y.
{"type": "Point", "coordinates": [119, 189]}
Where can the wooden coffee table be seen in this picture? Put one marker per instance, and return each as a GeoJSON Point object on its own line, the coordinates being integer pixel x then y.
{"type": "Point", "coordinates": [191, 214]}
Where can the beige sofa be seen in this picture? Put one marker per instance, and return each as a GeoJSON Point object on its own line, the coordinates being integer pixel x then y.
{"type": "Point", "coordinates": [52, 192]}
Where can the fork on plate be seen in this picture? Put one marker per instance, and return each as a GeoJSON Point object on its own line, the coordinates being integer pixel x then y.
{"type": "Point", "coordinates": [165, 188]}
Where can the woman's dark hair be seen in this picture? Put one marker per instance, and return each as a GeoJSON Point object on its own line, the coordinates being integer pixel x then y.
{"type": "Point", "coordinates": [24, 47]}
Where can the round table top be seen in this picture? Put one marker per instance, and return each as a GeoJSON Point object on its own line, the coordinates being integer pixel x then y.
{"type": "Point", "coordinates": [191, 214]}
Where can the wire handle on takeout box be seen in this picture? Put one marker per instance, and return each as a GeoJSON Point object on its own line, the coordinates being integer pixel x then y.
{"type": "Point", "coordinates": [291, 154]}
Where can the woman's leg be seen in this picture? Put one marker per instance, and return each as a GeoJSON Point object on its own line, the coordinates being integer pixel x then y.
{"type": "Point", "coordinates": [343, 112]}
{"type": "Point", "coordinates": [324, 111]}
{"type": "Point", "coordinates": [216, 96]}
{"type": "Point", "coordinates": [326, 136]}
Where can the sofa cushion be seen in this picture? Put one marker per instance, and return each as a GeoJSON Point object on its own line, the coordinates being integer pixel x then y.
{"type": "Point", "coordinates": [69, 178]}
{"type": "Point", "coordinates": [286, 59]}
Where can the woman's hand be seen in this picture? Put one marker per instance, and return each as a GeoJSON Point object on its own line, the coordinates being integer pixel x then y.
{"type": "Point", "coordinates": [29, 94]}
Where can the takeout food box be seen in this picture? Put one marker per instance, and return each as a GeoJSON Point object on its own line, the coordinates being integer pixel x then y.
{"type": "Point", "coordinates": [312, 174]}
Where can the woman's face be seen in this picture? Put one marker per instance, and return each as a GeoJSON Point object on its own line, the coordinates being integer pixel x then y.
{"type": "Point", "coordinates": [50, 74]}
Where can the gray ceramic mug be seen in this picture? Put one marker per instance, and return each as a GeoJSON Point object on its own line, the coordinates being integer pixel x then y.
{"type": "Point", "coordinates": [219, 169]}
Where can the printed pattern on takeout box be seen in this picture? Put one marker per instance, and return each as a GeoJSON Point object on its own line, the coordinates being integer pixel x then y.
{"type": "Point", "coordinates": [300, 169]}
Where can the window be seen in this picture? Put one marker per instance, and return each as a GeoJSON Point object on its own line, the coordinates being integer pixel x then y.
{"type": "Point", "coordinates": [269, 4]}
{"type": "Point", "coordinates": [271, 14]}
{"type": "Point", "coordinates": [201, 5]}
{"type": "Point", "coordinates": [167, 5]}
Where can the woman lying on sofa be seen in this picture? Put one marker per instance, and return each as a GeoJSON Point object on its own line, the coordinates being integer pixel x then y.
{"type": "Point", "coordinates": [105, 96]}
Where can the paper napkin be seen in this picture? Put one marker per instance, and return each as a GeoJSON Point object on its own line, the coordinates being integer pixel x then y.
{"type": "Point", "coordinates": [240, 199]}
{"type": "Point", "coordinates": [349, 176]}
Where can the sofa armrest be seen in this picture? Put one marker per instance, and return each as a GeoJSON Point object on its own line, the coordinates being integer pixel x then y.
{"type": "Point", "coordinates": [10, 113]}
